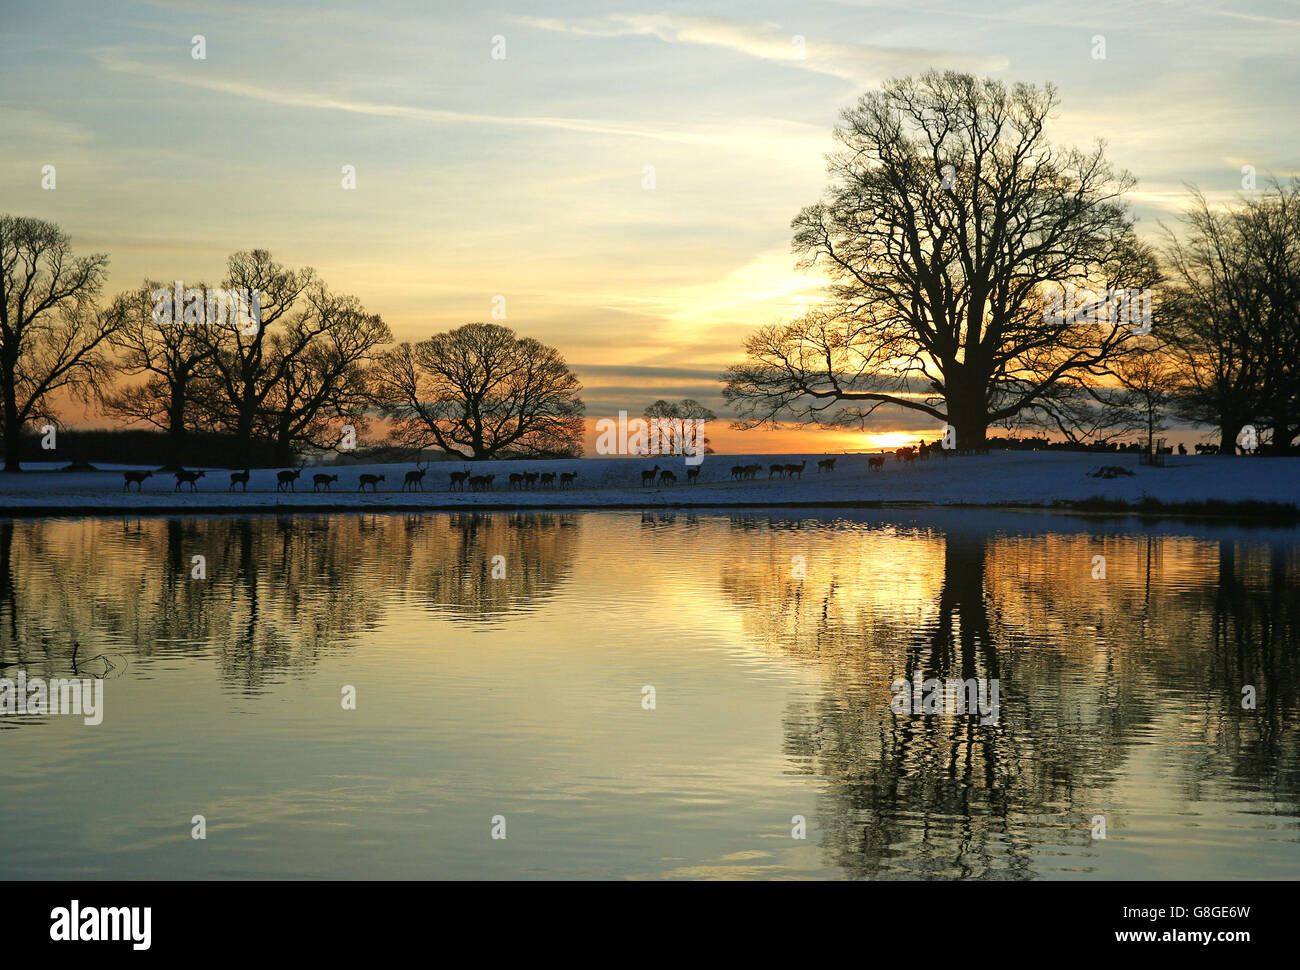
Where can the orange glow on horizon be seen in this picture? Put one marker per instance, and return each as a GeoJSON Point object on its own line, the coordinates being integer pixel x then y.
{"type": "Point", "coordinates": [890, 440]}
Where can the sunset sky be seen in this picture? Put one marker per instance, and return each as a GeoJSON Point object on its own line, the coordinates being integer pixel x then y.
{"type": "Point", "coordinates": [524, 176]}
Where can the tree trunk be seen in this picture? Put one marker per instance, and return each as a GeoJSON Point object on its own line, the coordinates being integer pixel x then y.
{"type": "Point", "coordinates": [968, 411]}
{"type": "Point", "coordinates": [971, 424]}
{"type": "Point", "coordinates": [244, 437]}
{"type": "Point", "coordinates": [176, 434]}
{"type": "Point", "coordinates": [13, 429]}
{"type": "Point", "coordinates": [1228, 437]}
{"type": "Point", "coordinates": [283, 451]}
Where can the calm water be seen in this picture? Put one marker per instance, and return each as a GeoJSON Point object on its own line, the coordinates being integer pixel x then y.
{"type": "Point", "coordinates": [522, 697]}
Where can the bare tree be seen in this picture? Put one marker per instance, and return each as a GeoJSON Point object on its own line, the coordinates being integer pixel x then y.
{"type": "Point", "coordinates": [1269, 229]}
{"type": "Point", "coordinates": [671, 417]}
{"type": "Point", "coordinates": [170, 355]}
{"type": "Point", "coordinates": [52, 334]}
{"type": "Point", "coordinates": [247, 365]}
{"type": "Point", "coordinates": [1234, 299]}
{"type": "Point", "coordinates": [324, 383]}
{"type": "Point", "coordinates": [950, 229]}
{"type": "Point", "coordinates": [1150, 380]}
{"type": "Point", "coordinates": [480, 391]}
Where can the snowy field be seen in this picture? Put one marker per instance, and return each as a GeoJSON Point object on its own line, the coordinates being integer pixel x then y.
{"type": "Point", "coordinates": [1001, 478]}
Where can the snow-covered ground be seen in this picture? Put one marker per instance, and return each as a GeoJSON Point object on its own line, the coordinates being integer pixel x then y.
{"type": "Point", "coordinates": [1001, 478]}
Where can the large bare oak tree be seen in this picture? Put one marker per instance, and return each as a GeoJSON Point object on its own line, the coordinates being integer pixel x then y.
{"type": "Point", "coordinates": [950, 226]}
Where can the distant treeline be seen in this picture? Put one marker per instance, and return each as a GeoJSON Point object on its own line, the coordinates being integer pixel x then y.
{"type": "Point", "coordinates": [199, 449]}
{"type": "Point", "coordinates": [144, 447]}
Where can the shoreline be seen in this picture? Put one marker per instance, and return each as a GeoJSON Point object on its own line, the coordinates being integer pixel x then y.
{"type": "Point", "coordinates": [1208, 488]}
{"type": "Point", "coordinates": [1253, 512]}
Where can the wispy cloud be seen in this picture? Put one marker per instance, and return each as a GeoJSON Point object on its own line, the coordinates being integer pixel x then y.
{"type": "Point", "coordinates": [113, 61]}
{"type": "Point", "coordinates": [864, 64]}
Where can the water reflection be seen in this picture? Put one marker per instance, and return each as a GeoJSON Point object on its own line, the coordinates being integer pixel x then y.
{"type": "Point", "coordinates": [774, 641]}
{"type": "Point", "coordinates": [270, 594]}
{"type": "Point", "coordinates": [1089, 668]}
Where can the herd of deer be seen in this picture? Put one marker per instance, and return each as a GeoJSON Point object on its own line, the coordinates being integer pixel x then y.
{"type": "Point", "coordinates": [876, 463]}
{"type": "Point", "coordinates": [457, 481]}
{"type": "Point", "coordinates": [541, 479]}
{"type": "Point", "coordinates": [743, 472]}
{"type": "Point", "coordinates": [285, 480]}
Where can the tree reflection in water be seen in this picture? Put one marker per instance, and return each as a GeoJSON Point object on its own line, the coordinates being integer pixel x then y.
{"type": "Point", "coordinates": [280, 591]}
{"type": "Point", "coordinates": [1158, 652]}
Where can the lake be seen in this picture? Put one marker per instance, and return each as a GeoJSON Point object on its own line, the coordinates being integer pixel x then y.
{"type": "Point", "coordinates": [653, 695]}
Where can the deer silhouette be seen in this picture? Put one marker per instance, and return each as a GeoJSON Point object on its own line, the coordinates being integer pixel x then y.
{"type": "Point", "coordinates": [183, 477]}
{"type": "Point", "coordinates": [792, 470]}
{"type": "Point", "coordinates": [371, 480]}
{"type": "Point", "coordinates": [666, 477]}
{"type": "Point", "coordinates": [648, 478]}
{"type": "Point", "coordinates": [318, 480]}
{"type": "Point", "coordinates": [238, 478]}
{"type": "Point", "coordinates": [826, 465]}
{"type": "Point", "coordinates": [530, 479]}
{"type": "Point", "coordinates": [778, 470]}
{"type": "Point", "coordinates": [456, 481]}
{"type": "Point", "coordinates": [548, 480]}
{"type": "Point", "coordinates": [137, 477]}
{"type": "Point", "coordinates": [566, 479]}
{"type": "Point", "coordinates": [691, 475]}
{"type": "Point", "coordinates": [415, 479]}
{"type": "Point", "coordinates": [516, 480]}
{"type": "Point", "coordinates": [876, 464]}
{"type": "Point", "coordinates": [287, 478]}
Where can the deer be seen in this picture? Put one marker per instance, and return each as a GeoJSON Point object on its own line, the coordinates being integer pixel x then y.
{"type": "Point", "coordinates": [792, 470]}
{"type": "Point", "coordinates": [876, 463]}
{"type": "Point", "coordinates": [548, 480]}
{"type": "Point", "coordinates": [566, 479]}
{"type": "Point", "coordinates": [752, 470]}
{"type": "Point", "coordinates": [667, 478]}
{"type": "Point", "coordinates": [737, 471]}
{"type": "Point", "coordinates": [826, 465]}
{"type": "Point", "coordinates": [909, 456]}
{"type": "Point", "coordinates": [415, 479]}
{"type": "Point", "coordinates": [480, 482]}
{"type": "Point", "coordinates": [456, 480]}
{"type": "Point", "coordinates": [183, 476]}
{"type": "Point", "coordinates": [692, 474]}
{"type": "Point", "coordinates": [318, 480]}
{"type": "Point", "coordinates": [239, 478]}
{"type": "Point", "coordinates": [137, 477]}
{"type": "Point", "coordinates": [648, 478]}
{"type": "Point", "coordinates": [516, 480]}
{"type": "Point", "coordinates": [530, 479]}
{"type": "Point", "coordinates": [287, 479]}
{"type": "Point", "coordinates": [774, 470]}
{"type": "Point", "coordinates": [371, 480]}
